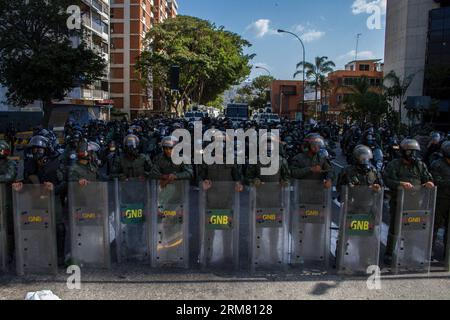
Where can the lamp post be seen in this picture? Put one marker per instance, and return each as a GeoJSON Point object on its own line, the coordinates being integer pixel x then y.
{"type": "Point", "coordinates": [303, 69]}
{"type": "Point", "coordinates": [270, 74]}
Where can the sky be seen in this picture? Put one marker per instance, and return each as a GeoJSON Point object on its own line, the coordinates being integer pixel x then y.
{"type": "Point", "coordinates": [327, 28]}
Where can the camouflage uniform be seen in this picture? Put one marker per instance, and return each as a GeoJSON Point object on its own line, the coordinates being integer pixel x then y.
{"type": "Point", "coordinates": [302, 163]}
{"type": "Point", "coordinates": [127, 167]}
{"type": "Point", "coordinates": [357, 177]}
{"type": "Point", "coordinates": [163, 165]}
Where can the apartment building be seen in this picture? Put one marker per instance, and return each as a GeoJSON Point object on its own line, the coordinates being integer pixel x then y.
{"type": "Point", "coordinates": [130, 21]}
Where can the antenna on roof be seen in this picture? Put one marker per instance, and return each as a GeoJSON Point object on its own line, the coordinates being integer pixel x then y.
{"type": "Point", "coordinates": [357, 43]}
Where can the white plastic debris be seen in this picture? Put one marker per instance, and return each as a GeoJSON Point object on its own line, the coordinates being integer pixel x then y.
{"type": "Point", "coordinates": [41, 295]}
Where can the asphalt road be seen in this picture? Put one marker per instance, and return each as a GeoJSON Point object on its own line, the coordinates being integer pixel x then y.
{"type": "Point", "coordinates": [137, 283]}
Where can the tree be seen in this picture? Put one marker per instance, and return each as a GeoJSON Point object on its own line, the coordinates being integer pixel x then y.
{"type": "Point", "coordinates": [210, 58]}
{"type": "Point", "coordinates": [396, 91]}
{"type": "Point", "coordinates": [255, 93]}
{"type": "Point", "coordinates": [365, 105]}
{"type": "Point", "coordinates": [38, 60]}
{"type": "Point", "coordinates": [315, 71]}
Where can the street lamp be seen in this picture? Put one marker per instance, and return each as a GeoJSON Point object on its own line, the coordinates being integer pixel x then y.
{"type": "Point", "coordinates": [303, 69]}
{"type": "Point", "coordinates": [263, 68]}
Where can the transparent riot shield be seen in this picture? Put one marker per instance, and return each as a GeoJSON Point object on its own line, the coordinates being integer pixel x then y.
{"type": "Point", "coordinates": [35, 230]}
{"type": "Point", "coordinates": [219, 226]}
{"type": "Point", "coordinates": [269, 226]}
{"type": "Point", "coordinates": [414, 230]}
{"type": "Point", "coordinates": [89, 226]}
{"type": "Point", "coordinates": [132, 221]}
{"type": "Point", "coordinates": [3, 230]}
{"type": "Point", "coordinates": [310, 225]}
{"type": "Point", "coordinates": [360, 229]}
{"type": "Point", "coordinates": [170, 225]}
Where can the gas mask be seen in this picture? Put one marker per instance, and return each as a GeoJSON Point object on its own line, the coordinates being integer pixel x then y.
{"type": "Point", "coordinates": [38, 153]}
{"type": "Point", "coordinates": [410, 155]}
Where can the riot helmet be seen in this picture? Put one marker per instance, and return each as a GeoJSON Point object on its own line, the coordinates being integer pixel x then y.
{"type": "Point", "coordinates": [363, 156]}
{"type": "Point", "coordinates": [410, 149]}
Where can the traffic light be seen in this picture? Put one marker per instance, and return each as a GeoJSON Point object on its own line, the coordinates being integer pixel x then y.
{"type": "Point", "coordinates": [174, 77]}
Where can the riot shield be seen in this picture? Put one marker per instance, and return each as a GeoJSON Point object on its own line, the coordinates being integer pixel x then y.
{"type": "Point", "coordinates": [89, 226]}
{"type": "Point", "coordinates": [219, 226]}
{"type": "Point", "coordinates": [413, 234]}
{"type": "Point", "coordinates": [35, 230]}
{"type": "Point", "coordinates": [310, 225]}
{"type": "Point", "coordinates": [360, 229]}
{"type": "Point", "coordinates": [170, 225]}
{"type": "Point", "coordinates": [132, 221]}
{"type": "Point", "coordinates": [3, 229]}
{"type": "Point", "coordinates": [269, 226]}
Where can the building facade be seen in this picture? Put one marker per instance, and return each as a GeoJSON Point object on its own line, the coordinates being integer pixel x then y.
{"type": "Point", "coordinates": [286, 98]}
{"type": "Point", "coordinates": [407, 25]}
{"type": "Point", "coordinates": [130, 21]}
{"type": "Point", "coordinates": [342, 81]}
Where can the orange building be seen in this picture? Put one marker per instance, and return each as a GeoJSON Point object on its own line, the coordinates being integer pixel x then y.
{"type": "Point", "coordinates": [341, 81]}
{"type": "Point", "coordinates": [286, 98]}
{"type": "Point", "coordinates": [130, 21]}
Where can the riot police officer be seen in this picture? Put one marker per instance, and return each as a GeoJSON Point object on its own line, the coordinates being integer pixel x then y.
{"type": "Point", "coordinates": [132, 164]}
{"type": "Point", "coordinates": [362, 173]}
{"type": "Point", "coordinates": [164, 169]}
{"type": "Point", "coordinates": [46, 168]}
{"type": "Point", "coordinates": [85, 170]}
{"type": "Point", "coordinates": [407, 172]}
{"type": "Point", "coordinates": [311, 164]}
{"type": "Point", "coordinates": [441, 173]}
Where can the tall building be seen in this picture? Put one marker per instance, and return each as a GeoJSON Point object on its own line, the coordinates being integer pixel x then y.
{"type": "Point", "coordinates": [130, 21]}
{"type": "Point", "coordinates": [417, 38]}
{"type": "Point", "coordinates": [95, 22]}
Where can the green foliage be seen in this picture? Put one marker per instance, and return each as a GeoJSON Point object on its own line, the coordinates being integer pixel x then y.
{"type": "Point", "coordinates": [255, 93]}
{"type": "Point", "coordinates": [364, 105]}
{"type": "Point", "coordinates": [211, 59]}
{"type": "Point", "coordinates": [315, 73]}
{"type": "Point", "coordinates": [38, 61]}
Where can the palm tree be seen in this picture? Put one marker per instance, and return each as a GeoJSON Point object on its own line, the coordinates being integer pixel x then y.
{"type": "Point", "coordinates": [314, 71]}
{"type": "Point", "coordinates": [397, 89]}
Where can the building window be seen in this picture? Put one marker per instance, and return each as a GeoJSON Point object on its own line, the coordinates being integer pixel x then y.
{"type": "Point", "coordinates": [364, 67]}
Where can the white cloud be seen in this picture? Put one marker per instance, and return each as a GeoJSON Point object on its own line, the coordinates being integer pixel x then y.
{"type": "Point", "coordinates": [307, 35]}
{"type": "Point", "coordinates": [312, 35]}
{"type": "Point", "coordinates": [365, 6]}
{"type": "Point", "coordinates": [361, 55]}
{"type": "Point", "coordinates": [260, 28]}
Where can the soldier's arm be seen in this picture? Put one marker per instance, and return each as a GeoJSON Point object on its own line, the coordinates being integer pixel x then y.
{"type": "Point", "coordinates": [436, 171]}
{"type": "Point", "coordinates": [297, 171]}
{"type": "Point", "coordinates": [425, 174]}
{"type": "Point", "coordinates": [328, 170]}
{"type": "Point", "coordinates": [237, 173]}
{"type": "Point", "coordinates": [148, 165]}
{"type": "Point", "coordinates": [10, 174]}
{"type": "Point", "coordinates": [203, 172]}
{"type": "Point", "coordinates": [390, 177]}
{"type": "Point", "coordinates": [186, 172]}
{"type": "Point", "coordinates": [285, 173]}
{"type": "Point", "coordinates": [61, 176]}
{"type": "Point", "coordinates": [251, 174]}
{"type": "Point", "coordinates": [155, 173]}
